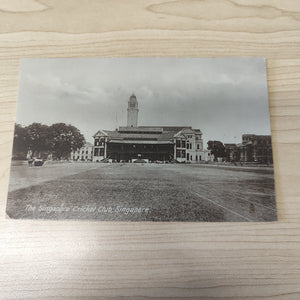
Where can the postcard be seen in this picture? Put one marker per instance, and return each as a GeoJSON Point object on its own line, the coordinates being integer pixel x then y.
{"type": "Point", "coordinates": [143, 139]}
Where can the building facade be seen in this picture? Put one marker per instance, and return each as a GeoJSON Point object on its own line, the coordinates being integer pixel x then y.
{"type": "Point", "coordinates": [151, 143]}
{"type": "Point", "coordinates": [253, 149]}
{"type": "Point", "coordinates": [85, 153]}
{"type": "Point", "coordinates": [256, 148]}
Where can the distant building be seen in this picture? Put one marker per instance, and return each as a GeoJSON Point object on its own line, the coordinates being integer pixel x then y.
{"type": "Point", "coordinates": [232, 152]}
{"type": "Point", "coordinates": [254, 148]}
{"type": "Point", "coordinates": [151, 143]}
{"type": "Point", "coordinates": [188, 145]}
{"type": "Point", "coordinates": [85, 153]}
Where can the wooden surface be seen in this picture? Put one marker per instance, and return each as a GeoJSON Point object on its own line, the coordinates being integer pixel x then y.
{"type": "Point", "coordinates": [66, 259]}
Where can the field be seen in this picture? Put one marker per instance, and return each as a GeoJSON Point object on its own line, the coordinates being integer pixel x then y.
{"type": "Point", "coordinates": [141, 192]}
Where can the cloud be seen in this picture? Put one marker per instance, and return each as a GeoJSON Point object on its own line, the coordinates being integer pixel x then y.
{"type": "Point", "coordinates": [224, 97]}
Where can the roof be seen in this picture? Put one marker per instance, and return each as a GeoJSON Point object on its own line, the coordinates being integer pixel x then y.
{"type": "Point", "coordinates": [146, 134]}
{"type": "Point", "coordinates": [141, 129]}
{"type": "Point", "coordinates": [164, 142]}
{"type": "Point", "coordinates": [187, 131]}
{"type": "Point", "coordinates": [162, 136]}
{"type": "Point", "coordinates": [183, 132]}
{"type": "Point", "coordinates": [99, 132]}
{"type": "Point", "coordinates": [256, 136]}
{"type": "Point", "coordinates": [244, 144]}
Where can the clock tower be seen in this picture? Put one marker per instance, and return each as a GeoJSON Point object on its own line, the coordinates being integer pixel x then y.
{"type": "Point", "coordinates": [132, 112]}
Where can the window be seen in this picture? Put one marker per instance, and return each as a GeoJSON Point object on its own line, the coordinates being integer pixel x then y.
{"type": "Point", "coordinates": [178, 143]}
{"type": "Point", "coordinates": [198, 146]}
{"type": "Point", "coordinates": [101, 151]}
{"type": "Point", "coordinates": [183, 144]}
{"type": "Point", "coordinates": [188, 156]}
{"type": "Point", "coordinates": [178, 153]}
{"type": "Point", "coordinates": [191, 157]}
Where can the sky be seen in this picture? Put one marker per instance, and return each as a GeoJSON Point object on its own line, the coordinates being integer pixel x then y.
{"type": "Point", "coordinates": [224, 97]}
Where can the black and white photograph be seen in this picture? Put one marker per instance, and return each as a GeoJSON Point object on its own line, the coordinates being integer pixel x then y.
{"type": "Point", "coordinates": [143, 139]}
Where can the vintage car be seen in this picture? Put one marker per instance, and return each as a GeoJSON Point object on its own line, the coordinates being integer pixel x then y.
{"type": "Point", "coordinates": [38, 162]}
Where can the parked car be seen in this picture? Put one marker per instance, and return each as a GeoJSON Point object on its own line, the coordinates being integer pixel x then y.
{"type": "Point", "coordinates": [38, 162]}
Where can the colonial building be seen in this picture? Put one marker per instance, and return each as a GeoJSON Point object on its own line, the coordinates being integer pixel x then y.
{"type": "Point", "coordinates": [253, 149]}
{"type": "Point", "coordinates": [85, 153]}
{"type": "Point", "coordinates": [256, 148]}
{"type": "Point", "coordinates": [150, 143]}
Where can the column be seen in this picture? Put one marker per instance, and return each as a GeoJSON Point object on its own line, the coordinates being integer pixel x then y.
{"type": "Point", "coordinates": [105, 146]}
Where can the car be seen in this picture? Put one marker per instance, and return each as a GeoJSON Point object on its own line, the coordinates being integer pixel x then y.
{"type": "Point", "coordinates": [38, 162]}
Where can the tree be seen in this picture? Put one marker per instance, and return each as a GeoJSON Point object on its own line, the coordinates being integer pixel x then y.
{"type": "Point", "coordinates": [20, 146]}
{"type": "Point", "coordinates": [217, 148]}
{"type": "Point", "coordinates": [37, 138]}
{"type": "Point", "coordinates": [59, 139]}
{"type": "Point", "coordinates": [63, 139]}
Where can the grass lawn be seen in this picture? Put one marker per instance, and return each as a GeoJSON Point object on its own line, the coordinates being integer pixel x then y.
{"type": "Point", "coordinates": [141, 192]}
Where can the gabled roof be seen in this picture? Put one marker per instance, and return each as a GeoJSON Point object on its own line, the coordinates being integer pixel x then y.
{"type": "Point", "coordinates": [185, 131]}
{"type": "Point", "coordinates": [100, 132]}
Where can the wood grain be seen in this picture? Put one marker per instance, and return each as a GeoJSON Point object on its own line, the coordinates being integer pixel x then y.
{"type": "Point", "coordinates": [102, 260]}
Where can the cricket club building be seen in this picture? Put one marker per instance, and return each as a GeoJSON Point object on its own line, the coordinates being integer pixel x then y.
{"type": "Point", "coordinates": [150, 143]}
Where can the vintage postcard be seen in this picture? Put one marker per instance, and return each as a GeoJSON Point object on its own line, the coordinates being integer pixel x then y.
{"type": "Point", "coordinates": [143, 139]}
